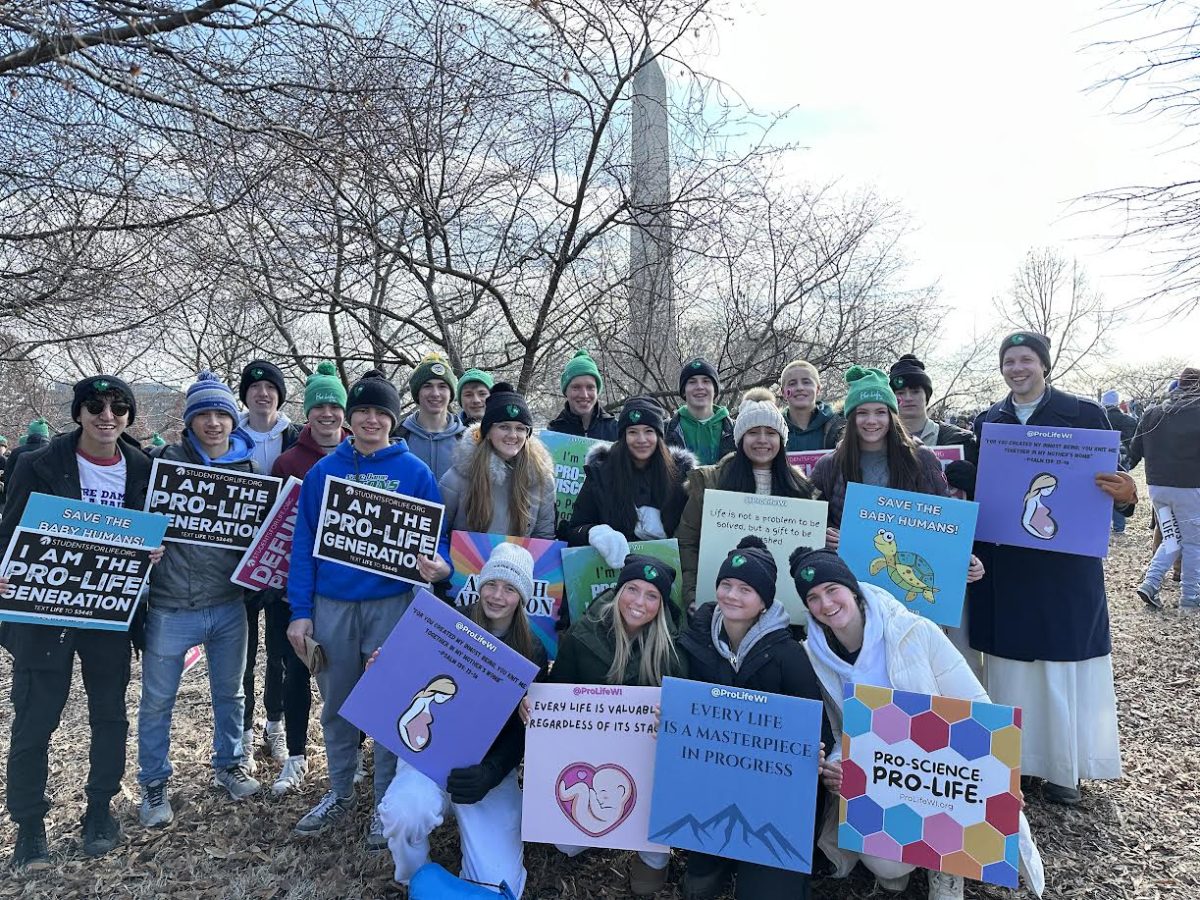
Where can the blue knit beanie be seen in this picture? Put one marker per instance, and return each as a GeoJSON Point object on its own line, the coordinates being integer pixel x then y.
{"type": "Point", "coordinates": [209, 392]}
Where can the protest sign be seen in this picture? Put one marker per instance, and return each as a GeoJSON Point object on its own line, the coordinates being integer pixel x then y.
{"type": "Point", "coordinates": [56, 579]}
{"type": "Point", "coordinates": [931, 781]}
{"type": "Point", "coordinates": [265, 562]}
{"type": "Point", "coordinates": [375, 530]}
{"type": "Point", "coordinates": [783, 523]}
{"type": "Point", "coordinates": [469, 550]}
{"type": "Point", "coordinates": [1167, 527]}
{"type": "Point", "coordinates": [589, 766]}
{"type": "Point", "coordinates": [1037, 488]}
{"type": "Point", "coordinates": [806, 460]}
{"type": "Point", "coordinates": [569, 452]}
{"type": "Point", "coordinates": [917, 546]}
{"type": "Point", "coordinates": [98, 522]}
{"type": "Point", "coordinates": [440, 690]}
{"type": "Point", "coordinates": [755, 754]}
{"type": "Point", "coordinates": [587, 575]}
{"type": "Point", "coordinates": [210, 507]}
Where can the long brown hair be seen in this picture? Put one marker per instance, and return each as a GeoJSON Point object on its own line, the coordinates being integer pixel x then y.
{"type": "Point", "coordinates": [529, 471]}
{"type": "Point", "coordinates": [520, 635]}
{"type": "Point", "coordinates": [904, 469]}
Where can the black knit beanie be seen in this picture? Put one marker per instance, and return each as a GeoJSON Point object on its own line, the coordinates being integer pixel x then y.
{"type": "Point", "coordinates": [908, 371]}
{"type": "Point", "coordinates": [812, 567]}
{"type": "Point", "coordinates": [98, 385]}
{"type": "Point", "coordinates": [752, 563]}
{"type": "Point", "coordinates": [639, 567]}
{"type": "Point", "coordinates": [1038, 343]}
{"type": "Point", "coordinates": [699, 366]}
{"type": "Point", "coordinates": [641, 411]}
{"type": "Point", "coordinates": [261, 370]}
{"type": "Point", "coordinates": [504, 404]}
{"type": "Point", "coordinates": [373, 389]}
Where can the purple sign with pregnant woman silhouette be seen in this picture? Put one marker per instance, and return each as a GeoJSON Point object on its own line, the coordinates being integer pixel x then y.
{"type": "Point", "coordinates": [440, 691]}
{"type": "Point", "coordinates": [1037, 487]}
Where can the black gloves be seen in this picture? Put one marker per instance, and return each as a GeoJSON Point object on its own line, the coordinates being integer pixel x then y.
{"type": "Point", "coordinates": [471, 784]}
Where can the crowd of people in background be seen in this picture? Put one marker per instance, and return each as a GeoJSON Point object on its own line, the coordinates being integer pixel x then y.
{"type": "Point", "coordinates": [1035, 632]}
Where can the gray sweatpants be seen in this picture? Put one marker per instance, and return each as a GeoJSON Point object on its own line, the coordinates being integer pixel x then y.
{"type": "Point", "coordinates": [350, 632]}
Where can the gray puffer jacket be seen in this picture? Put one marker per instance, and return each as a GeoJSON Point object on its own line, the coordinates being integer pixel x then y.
{"type": "Point", "coordinates": [191, 576]}
{"type": "Point", "coordinates": [455, 484]}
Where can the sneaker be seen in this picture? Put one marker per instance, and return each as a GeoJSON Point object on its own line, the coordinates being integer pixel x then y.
{"type": "Point", "coordinates": [156, 808]}
{"type": "Point", "coordinates": [101, 833]}
{"type": "Point", "coordinates": [292, 776]}
{"type": "Point", "coordinates": [1061, 794]}
{"type": "Point", "coordinates": [944, 886]}
{"type": "Point", "coordinates": [237, 781]}
{"type": "Point", "coordinates": [1149, 595]}
{"type": "Point", "coordinates": [32, 853]}
{"type": "Point", "coordinates": [330, 810]}
{"type": "Point", "coordinates": [376, 839]}
{"type": "Point", "coordinates": [643, 880]}
{"type": "Point", "coordinates": [276, 741]}
{"type": "Point", "coordinates": [360, 772]}
{"type": "Point", "coordinates": [248, 762]}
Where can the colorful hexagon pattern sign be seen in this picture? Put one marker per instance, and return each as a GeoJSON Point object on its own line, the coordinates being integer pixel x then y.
{"type": "Point", "coordinates": [930, 781]}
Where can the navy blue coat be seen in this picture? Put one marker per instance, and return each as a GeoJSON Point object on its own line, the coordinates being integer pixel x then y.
{"type": "Point", "coordinates": [1035, 604]}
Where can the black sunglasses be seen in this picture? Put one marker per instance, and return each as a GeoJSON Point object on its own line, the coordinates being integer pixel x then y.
{"type": "Point", "coordinates": [95, 407]}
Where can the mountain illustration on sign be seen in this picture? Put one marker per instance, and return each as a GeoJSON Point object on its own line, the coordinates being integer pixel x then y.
{"type": "Point", "coordinates": [737, 830]}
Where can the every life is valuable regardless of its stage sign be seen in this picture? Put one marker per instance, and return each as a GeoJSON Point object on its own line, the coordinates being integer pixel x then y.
{"type": "Point", "coordinates": [375, 530]}
{"type": "Point", "coordinates": [210, 507]}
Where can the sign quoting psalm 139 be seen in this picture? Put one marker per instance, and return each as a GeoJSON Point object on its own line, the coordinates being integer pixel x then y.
{"type": "Point", "coordinates": [57, 579]}
{"type": "Point", "coordinates": [931, 781]}
{"type": "Point", "coordinates": [210, 507]}
{"type": "Point", "coordinates": [376, 530]}
{"type": "Point", "coordinates": [1037, 488]}
{"type": "Point", "coordinates": [735, 774]}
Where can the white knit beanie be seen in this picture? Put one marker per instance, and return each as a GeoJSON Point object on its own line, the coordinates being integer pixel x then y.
{"type": "Point", "coordinates": [511, 563]}
{"type": "Point", "coordinates": [752, 414]}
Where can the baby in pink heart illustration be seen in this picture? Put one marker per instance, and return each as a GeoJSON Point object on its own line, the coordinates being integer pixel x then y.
{"type": "Point", "coordinates": [596, 798]}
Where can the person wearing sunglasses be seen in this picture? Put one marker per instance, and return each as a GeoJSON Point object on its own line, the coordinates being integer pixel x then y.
{"type": "Point", "coordinates": [98, 462]}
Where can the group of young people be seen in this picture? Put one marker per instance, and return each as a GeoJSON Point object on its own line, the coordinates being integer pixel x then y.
{"type": "Point", "coordinates": [493, 475]}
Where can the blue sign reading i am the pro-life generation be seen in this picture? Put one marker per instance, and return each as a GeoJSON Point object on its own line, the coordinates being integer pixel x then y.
{"type": "Point", "coordinates": [756, 756]}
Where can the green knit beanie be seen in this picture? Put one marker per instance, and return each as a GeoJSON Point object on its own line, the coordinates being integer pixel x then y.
{"type": "Point", "coordinates": [868, 386]}
{"type": "Point", "coordinates": [324, 386]}
{"type": "Point", "coordinates": [581, 364]}
{"type": "Point", "coordinates": [434, 365]}
{"type": "Point", "coordinates": [3, 441]}
{"type": "Point", "coordinates": [474, 375]}
{"type": "Point", "coordinates": [156, 440]}
{"type": "Point", "coordinates": [40, 428]}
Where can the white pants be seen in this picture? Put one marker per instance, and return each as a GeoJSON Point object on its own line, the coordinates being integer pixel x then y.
{"type": "Point", "coordinates": [649, 857]}
{"type": "Point", "coordinates": [489, 831]}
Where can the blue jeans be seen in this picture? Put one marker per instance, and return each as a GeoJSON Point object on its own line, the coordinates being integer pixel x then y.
{"type": "Point", "coordinates": [1118, 525]}
{"type": "Point", "coordinates": [169, 635]}
{"type": "Point", "coordinates": [1184, 504]}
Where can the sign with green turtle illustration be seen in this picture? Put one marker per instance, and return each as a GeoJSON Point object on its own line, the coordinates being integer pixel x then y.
{"type": "Point", "coordinates": [917, 546]}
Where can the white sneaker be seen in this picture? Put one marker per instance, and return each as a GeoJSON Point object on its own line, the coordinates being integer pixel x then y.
{"type": "Point", "coordinates": [376, 839]}
{"type": "Point", "coordinates": [276, 741]}
{"type": "Point", "coordinates": [248, 762]}
{"type": "Point", "coordinates": [236, 780]}
{"type": "Point", "coordinates": [944, 886]}
{"type": "Point", "coordinates": [295, 768]}
{"type": "Point", "coordinates": [155, 810]}
{"type": "Point", "coordinates": [360, 772]}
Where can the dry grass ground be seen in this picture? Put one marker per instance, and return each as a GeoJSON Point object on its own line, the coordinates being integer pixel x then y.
{"type": "Point", "coordinates": [1133, 839]}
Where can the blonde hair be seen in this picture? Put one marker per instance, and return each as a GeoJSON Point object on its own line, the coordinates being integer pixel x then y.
{"type": "Point", "coordinates": [654, 639]}
{"type": "Point", "coordinates": [1039, 484]}
{"type": "Point", "coordinates": [800, 364]}
{"type": "Point", "coordinates": [530, 469]}
{"type": "Point", "coordinates": [443, 684]}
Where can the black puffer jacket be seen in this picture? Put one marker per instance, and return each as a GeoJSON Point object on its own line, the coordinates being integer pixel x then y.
{"type": "Point", "coordinates": [603, 426]}
{"type": "Point", "coordinates": [597, 500]}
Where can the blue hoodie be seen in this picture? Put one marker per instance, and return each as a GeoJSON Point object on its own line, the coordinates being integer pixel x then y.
{"type": "Point", "coordinates": [394, 468]}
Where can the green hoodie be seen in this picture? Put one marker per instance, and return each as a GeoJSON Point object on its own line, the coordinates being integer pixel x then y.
{"type": "Point", "coordinates": [703, 438]}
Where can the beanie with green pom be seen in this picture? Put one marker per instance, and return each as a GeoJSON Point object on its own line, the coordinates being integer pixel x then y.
{"type": "Point", "coordinates": [432, 366]}
{"type": "Point", "coordinates": [324, 386]}
{"type": "Point", "coordinates": [477, 375]}
{"type": "Point", "coordinates": [581, 364]}
{"type": "Point", "coordinates": [868, 386]}
{"type": "Point", "coordinates": [39, 428]}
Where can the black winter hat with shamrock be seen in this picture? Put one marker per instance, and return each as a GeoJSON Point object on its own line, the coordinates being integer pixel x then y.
{"type": "Point", "coordinates": [752, 563]}
{"type": "Point", "coordinates": [504, 404]}
{"type": "Point", "coordinates": [699, 366]}
{"type": "Point", "coordinates": [96, 386]}
{"type": "Point", "coordinates": [641, 411]}
{"type": "Point", "coordinates": [373, 389]}
{"type": "Point", "coordinates": [810, 568]}
{"type": "Point", "coordinates": [646, 568]}
{"type": "Point", "coordinates": [262, 370]}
